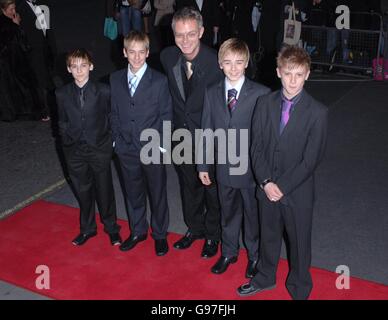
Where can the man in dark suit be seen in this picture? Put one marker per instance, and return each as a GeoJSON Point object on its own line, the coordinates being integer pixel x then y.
{"type": "Point", "coordinates": [210, 13]}
{"type": "Point", "coordinates": [228, 106]}
{"type": "Point", "coordinates": [83, 119]}
{"type": "Point", "coordinates": [36, 24]}
{"type": "Point", "coordinates": [190, 67]}
{"type": "Point", "coordinates": [288, 142]}
{"type": "Point", "coordinates": [141, 100]}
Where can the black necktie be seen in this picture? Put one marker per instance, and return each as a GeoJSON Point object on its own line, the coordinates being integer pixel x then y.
{"type": "Point", "coordinates": [81, 97]}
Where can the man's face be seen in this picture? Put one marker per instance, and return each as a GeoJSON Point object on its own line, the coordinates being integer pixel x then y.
{"type": "Point", "coordinates": [233, 65]}
{"type": "Point", "coordinates": [187, 37]}
{"type": "Point", "coordinates": [136, 53]}
{"type": "Point", "coordinates": [292, 78]}
{"type": "Point", "coordinates": [80, 69]}
{"type": "Point", "coordinates": [10, 11]}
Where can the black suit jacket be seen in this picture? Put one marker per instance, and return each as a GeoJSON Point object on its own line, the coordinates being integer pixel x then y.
{"type": "Point", "coordinates": [291, 158]}
{"type": "Point", "coordinates": [210, 14]}
{"type": "Point", "coordinates": [216, 115]}
{"type": "Point", "coordinates": [188, 110]}
{"type": "Point", "coordinates": [148, 108]}
{"type": "Point", "coordinates": [94, 114]}
{"type": "Point", "coordinates": [42, 47]}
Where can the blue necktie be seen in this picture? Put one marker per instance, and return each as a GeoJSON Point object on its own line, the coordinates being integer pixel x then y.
{"type": "Point", "coordinates": [132, 85]}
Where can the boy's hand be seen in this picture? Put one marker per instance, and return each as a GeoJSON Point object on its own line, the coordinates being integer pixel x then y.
{"type": "Point", "coordinates": [204, 177]}
{"type": "Point", "coordinates": [273, 192]}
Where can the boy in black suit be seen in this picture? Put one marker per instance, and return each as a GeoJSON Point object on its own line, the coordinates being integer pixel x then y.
{"type": "Point", "coordinates": [229, 105]}
{"type": "Point", "coordinates": [83, 119]}
{"type": "Point", "coordinates": [140, 101]}
{"type": "Point", "coordinates": [288, 142]}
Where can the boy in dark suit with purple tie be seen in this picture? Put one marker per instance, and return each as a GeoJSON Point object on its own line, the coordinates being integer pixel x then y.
{"type": "Point", "coordinates": [288, 142]}
{"type": "Point", "coordinates": [83, 120]}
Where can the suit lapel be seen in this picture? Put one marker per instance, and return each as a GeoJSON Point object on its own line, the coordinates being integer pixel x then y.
{"type": "Point", "coordinates": [144, 83]}
{"type": "Point", "coordinates": [222, 101]}
{"type": "Point", "coordinates": [177, 71]}
{"type": "Point", "coordinates": [90, 96]}
{"type": "Point", "coordinates": [275, 114]}
{"type": "Point", "coordinates": [124, 82]}
{"type": "Point", "coordinates": [242, 96]}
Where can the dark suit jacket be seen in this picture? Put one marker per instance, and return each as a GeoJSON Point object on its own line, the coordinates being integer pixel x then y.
{"type": "Point", "coordinates": [188, 111]}
{"type": "Point", "coordinates": [291, 158]}
{"type": "Point", "coordinates": [210, 14]}
{"type": "Point", "coordinates": [42, 48]}
{"type": "Point", "coordinates": [216, 115]}
{"type": "Point", "coordinates": [95, 113]}
{"type": "Point", "coordinates": [148, 108]}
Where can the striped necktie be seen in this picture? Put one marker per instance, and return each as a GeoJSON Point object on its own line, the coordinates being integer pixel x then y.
{"type": "Point", "coordinates": [132, 85]}
{"type": "Point", "coordinates": [232, 99]}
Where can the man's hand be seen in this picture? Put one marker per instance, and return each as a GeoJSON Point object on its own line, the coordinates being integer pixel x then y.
{"type": "Point", "coordinates": [273, 192]}
{"type": "Point", "coordinates": [204, 177]}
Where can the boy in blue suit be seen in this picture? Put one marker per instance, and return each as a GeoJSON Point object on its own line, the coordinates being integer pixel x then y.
{"type": "Point", "coordinates": [140, 100]}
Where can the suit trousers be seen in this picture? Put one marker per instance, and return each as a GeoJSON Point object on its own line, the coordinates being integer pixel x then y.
{"type": "Point", "coordinates": [297, 222]}
{"type": "Point", "coordinates": [200, 203]}
{"type": "Point", "coordinates": [238, 206]}
{"type": "Point", "coordinates": [91, 176]}
{"type": "Point", "coordinates": [138, 179]}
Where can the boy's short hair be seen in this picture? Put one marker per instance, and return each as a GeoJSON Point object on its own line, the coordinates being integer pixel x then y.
{"type": "Point", "coordinates": [293, 56]}
{"type": "Point", "coordinates": [187, 13]}
{"type": "Point", "coordinates": [4, 4]}
{"type": "Point", "coordinates": [234, 45]}
{"type": "Point", "coordinates": [79, 53]}
{"type": "Point", "coordinates": [136, 36]}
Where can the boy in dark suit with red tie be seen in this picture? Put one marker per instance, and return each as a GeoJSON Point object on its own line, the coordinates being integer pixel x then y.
{"type": "Point", "coordinates": [83, 119]}
{"type": "Point", "coordinates": [228, 105]}
{"type": "Point", "coordinates": [288, 142]}
{"type": "Point", "coordinates": [140, 101]}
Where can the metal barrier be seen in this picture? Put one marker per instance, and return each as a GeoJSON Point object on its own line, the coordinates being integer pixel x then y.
{"type": "Point", "coordinates": [353, 49]}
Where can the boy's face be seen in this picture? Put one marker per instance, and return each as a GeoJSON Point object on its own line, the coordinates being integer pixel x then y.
{"type": "Point", "coordinates": [80, 68]}
{"type": "Point", "coordinates": [292, 78]}
{"type": "Point", "coordinates": [187, 37]}
{"type": "Point", "coordinates": [10, 11]}
{"type": "Point", "coordinates": [136, 53]}
{"type": "Point", "coordinates": [233, 65]}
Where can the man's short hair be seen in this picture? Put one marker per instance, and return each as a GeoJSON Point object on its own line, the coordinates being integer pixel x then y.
{"type": "Point", "coordinates": [293, 56]}
{"type": "Point", "coordinates": [4, 4]}
{"type": "Point", "coordinates": [187, 13]}
{"type": "Point", "coordinates": [137, 36]}
{"type": "Point", "coordinates": [233, 45]}
{"type": "Point", "coordinates": [79, 53]}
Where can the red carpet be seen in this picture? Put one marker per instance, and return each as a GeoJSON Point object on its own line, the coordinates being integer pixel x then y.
{"type": "Point", "coordinates": [41, 234]}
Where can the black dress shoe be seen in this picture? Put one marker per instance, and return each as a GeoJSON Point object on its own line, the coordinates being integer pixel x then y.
{"type": "Point", "coordinates": [161, 247]}
{"type": "Point", "coordinates": [249, 289]}
{"type": "Point", "coordinates": [132, 241]}
{"type": "Point", "coordinates": [82, 238]}
{"type": "Point", "coordinates": [222, 264]}
{"type": "Point", "coordinates": [209, 248]}
{"type": "Point", "coordinates": [115, 239]}
{"type": "Point", "coordinates": [251, 269]}
{"type": "Point", "coordinates": [186, 241]}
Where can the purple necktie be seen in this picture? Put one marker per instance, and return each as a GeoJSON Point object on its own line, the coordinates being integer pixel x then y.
{"type": "Point", "coordinates": [232, 95]}
{"type": "Point", "coordinates": [286, 107]}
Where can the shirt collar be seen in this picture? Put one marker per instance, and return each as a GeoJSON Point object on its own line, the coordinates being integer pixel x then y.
{"type": "Point", "coordinates": [139, 74]}
{"type": "Point", "coordinates": [238, 86]}
{"type": "Point", "coordinates": [294, 100]}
